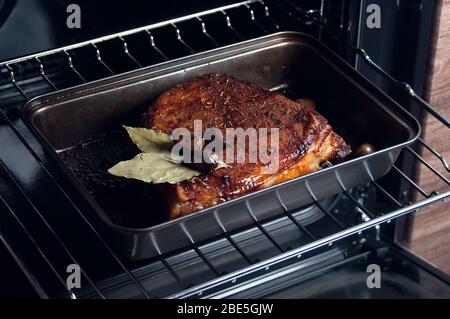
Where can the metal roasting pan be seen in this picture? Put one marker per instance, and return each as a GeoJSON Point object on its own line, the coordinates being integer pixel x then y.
{"type": "Point", "coordinates": [81, 130]}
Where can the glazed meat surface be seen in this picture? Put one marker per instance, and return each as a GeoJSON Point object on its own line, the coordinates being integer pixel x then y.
{"type": "Point", "coordinates": [305, 138]}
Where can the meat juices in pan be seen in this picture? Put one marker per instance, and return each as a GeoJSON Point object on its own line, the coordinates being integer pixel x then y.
{"type": "Point", "coordinates": [221, 101]}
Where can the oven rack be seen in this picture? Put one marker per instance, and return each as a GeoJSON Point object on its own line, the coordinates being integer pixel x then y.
{"type": "Point", "coordinates": [21, 84]}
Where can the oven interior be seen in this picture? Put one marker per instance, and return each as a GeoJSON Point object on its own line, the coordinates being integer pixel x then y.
{"type": "Point", "coordinates": [318, 251]}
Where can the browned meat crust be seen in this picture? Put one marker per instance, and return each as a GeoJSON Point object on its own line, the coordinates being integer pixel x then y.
{"type": "Point", "coordinates": [221, 101]}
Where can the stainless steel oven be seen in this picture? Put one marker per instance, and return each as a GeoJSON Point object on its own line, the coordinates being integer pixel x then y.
{"type": "Point", "coordinates": [326, 247]}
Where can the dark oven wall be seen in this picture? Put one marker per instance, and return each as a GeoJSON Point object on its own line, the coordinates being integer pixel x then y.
{"type": "Point", "coordinates": [31, 26]}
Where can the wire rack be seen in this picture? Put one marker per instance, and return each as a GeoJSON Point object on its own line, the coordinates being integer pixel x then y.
{"type": "Point", "coordinates": [26, 77]}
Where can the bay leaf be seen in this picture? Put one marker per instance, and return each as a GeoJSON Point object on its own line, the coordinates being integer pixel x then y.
{"type": "Point", "coordinates": [221, 164]}
{"type": "Point", "coordinates": [155, 164]}
{"type": "Point", "coordinates": [148, 140]}
{"type": "Point", "coordinates": [155, 167]}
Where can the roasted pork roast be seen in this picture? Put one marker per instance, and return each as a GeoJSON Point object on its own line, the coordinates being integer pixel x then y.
{"type": "Point", "coordinates": [305, 139]}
